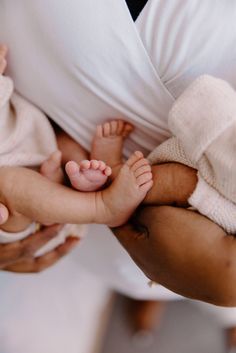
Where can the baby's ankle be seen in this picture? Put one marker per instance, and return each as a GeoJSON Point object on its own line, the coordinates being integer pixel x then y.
{"type": "Point", "coordinates": [100, 211]}
{"type": "Point", "coordinates": [115, 171]}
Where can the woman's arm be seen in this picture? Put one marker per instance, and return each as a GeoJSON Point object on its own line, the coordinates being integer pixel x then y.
{"type": "Point", "coordinates": [184, 252]}
{"type": "Point", "coordinates": [20, 255]}
{"type": "Point", "coordinates": [178, 248]}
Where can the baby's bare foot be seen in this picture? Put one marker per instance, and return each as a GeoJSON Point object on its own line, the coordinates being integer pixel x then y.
{"type": "Point", "coordinates": [51, 168]}
{"type": "Point", "coordinates": [87, 175]}
{"type": "Point", "coordinates": [108, 142]}
{"type": "Point", "coordinates": [3, 62]}
{"type": "Point", "coordinates": [130, 187]}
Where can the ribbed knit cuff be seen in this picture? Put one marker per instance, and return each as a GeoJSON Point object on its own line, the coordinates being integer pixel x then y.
{"type": "Point", "coordinates": [201, 114]}
{"type": "Point", "coordinates": [6, 89]}
{"type": "Point", "coordinates": [213, 205]}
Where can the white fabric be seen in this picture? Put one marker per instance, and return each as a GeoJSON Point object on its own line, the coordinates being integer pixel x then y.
{"type": "Point", "coordinates": [203, 122]}
{"type": "Point", "coordinates": [100, 80]}
{"type": "Point", "coordinates": [60, 310]}
{"type": "Point", "coordinates": [136, 78]}
{"type": "Point", "coordinates": [83, 62]}
{"type": "Point", "coordinates": [224, 316]}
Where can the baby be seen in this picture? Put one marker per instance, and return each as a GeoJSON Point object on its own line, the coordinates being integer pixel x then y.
{"type": "Point", "coordinates": [201, 120]}
{"type": "Point", "coordinates": [27, 139]}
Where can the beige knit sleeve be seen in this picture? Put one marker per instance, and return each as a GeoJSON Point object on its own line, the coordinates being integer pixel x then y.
{"type": "Point", "coordinates": [203, 122]}
{"type": "Point", "coordinates": [209, 202]}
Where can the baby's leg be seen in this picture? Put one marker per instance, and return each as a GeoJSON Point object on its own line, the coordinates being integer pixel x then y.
{"type": "Point", "coordinates": [47, 202]}
{"type": "Point", "coordinates": [173, 184]}
{"type": "Point", "coordinates": [108, 143]}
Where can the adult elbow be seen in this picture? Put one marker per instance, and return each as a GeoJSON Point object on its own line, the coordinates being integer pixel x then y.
{"type": "Point", "coordinates": [226, 290]}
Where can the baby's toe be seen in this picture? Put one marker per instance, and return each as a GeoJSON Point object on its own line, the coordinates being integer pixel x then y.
{"type": "Point", "coordinates": [135, 157]}
{"type": "Point", "coordinates": [120, 127]}
{"type": "Point", "coordinates": [102, 166]}
{"type": "Point", "coordinates": [114, 127]}
{"type": "Point", "coordinates": [146, 186]}
{"type": "Point", "coordinates": [142, 170]}
{"type": "Point", "coordinates": [72, 168]}
{"type": "Point", "coordinates": [94, 164]}
{"type": "Point", "coordinates": [128, 128]}
{"type": "Point", "coordinates": [107, 171]}
{"type": "Point", "coordinates": [74, 174]}
{"type": "Point", "coordinates": [140, 163]}
{"type": "Point", "coordinates": [144, 178]}
{"type": "Point", "coordinates": [85, 164]}
{"type": "Point", "coordinates": [106, 130]}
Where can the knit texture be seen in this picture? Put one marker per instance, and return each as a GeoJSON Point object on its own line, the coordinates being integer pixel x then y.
{"type": "Point", "coordinates": [203, 121]}
{"type": "Point", "coordinates": [26, 136]}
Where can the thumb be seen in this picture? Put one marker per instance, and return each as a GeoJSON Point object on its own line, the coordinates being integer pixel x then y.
{"type": "Point", "coordinates": [4, 214]}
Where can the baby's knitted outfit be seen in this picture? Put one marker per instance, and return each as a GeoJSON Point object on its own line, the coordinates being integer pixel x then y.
{"type": "Point", "coordinates": [26, 136]}
{"type": "Point", "coordinates": [203, 122]}
{"type": "Point", "coordinates": [26, 139]}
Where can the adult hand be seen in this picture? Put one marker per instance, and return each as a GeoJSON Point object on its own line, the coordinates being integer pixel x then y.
{"type": "Point", "coordinates": [185, 252]}
{"type": "Point", "coordinates": [19, 256]}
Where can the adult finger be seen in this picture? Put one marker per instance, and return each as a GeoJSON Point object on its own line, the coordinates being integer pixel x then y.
{"type": "Point", "coordinates": [4, 214]}
{"type": "Point", "coordinates": [37, 240]}
{"type": "Point", "coordinates": [23, 249]}
{"type": "Point", "coordinates": [39, 264]}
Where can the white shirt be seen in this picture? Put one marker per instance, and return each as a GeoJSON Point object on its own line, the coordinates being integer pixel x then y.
{"type": "Point", "coordinates": [83, 62]}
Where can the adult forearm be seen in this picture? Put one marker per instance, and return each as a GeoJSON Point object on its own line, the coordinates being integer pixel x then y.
{"type": "Point", "coordinates": [184, 252]}
{"type": "Point", "coordinates": [194, 257]}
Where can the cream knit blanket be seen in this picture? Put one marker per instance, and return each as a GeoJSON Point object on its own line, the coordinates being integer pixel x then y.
{"type": "Point", "coordinates": [203, 122]}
